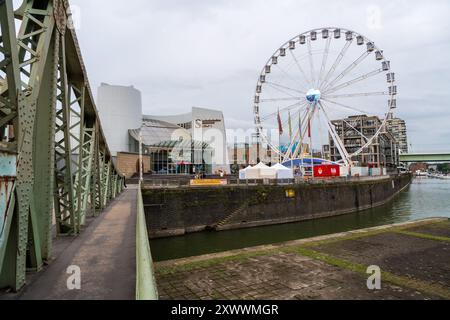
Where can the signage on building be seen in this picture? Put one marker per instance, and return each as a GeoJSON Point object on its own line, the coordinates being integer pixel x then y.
{"type": "Point", "coordinates": [199, 123]}
{"type": "Point", "coordinates": [321, 171]}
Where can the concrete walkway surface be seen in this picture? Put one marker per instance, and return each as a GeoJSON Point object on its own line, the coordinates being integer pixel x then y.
{"type": "Point", "coordinates": [105, 253]}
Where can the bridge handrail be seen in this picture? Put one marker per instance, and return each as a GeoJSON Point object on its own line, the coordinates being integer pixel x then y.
{"type": "Point", "coordinates": [145, 280]}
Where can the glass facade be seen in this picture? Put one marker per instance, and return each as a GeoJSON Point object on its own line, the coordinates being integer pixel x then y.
{"type": "Point", "coordinates": [180, 157]}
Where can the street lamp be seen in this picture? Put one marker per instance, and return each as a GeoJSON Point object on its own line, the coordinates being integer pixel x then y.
{"type": "Point", "coordinates": [141, 169]}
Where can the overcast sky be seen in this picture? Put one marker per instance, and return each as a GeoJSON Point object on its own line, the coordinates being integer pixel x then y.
{"type": "Point", "coordinates": [209, 53]}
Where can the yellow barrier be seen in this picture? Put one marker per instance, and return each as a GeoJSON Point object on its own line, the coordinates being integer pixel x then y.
{"type": "Point", "coordinates": [208, 182]}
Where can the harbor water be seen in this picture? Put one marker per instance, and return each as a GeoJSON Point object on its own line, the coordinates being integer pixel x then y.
{"type": "Point", "coordinates": [424, 198]}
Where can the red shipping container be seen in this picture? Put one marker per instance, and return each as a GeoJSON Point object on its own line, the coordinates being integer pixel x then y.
{"type": "Point", "coordinates": [327, 170]}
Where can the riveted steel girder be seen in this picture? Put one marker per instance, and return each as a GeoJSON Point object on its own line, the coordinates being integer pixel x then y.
{"type": "Point", "coordinates": [34, 41]}
{"type": "Point", "coordinates": [9, 86]}
{"type": "Point", "coordinates": [85, 172]}
{"type": "Point", "coordinates": [66, 221]}
{"type": "Point", "coordinates": [51, 125]}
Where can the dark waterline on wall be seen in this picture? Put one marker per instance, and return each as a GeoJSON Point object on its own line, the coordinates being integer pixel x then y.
{"type": "Point", "coordinates": [425, 198]}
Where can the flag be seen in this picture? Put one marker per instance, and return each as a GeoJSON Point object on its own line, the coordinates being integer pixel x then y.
{"type": "Point", "coordinates": [290, 126]}
{"type": "Point", "coordinates": [300, 123]}
{"type": "Point", "coordinates": [300, 130]}
{"type": "Point", "coordinates": [309, 128]}
{"type": "Point", "coordinates": [280, 126]}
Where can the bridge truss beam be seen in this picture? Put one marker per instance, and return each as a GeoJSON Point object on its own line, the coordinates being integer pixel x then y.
{"type": "Point", "coordinates": [425, 157]}
{"type": "Point", "coordinates": [53, 153]}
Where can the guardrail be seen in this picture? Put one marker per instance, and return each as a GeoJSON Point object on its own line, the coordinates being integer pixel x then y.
{"type": "Point", "coordinates": [145, 277]}
{"type": "Point", "coordinates": [162, 183]}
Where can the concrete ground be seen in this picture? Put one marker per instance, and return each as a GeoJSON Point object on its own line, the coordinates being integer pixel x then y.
{"type": "Point", "coordinates": [105, 252]}
{"type": "Point", "coordinates": [414, 259]}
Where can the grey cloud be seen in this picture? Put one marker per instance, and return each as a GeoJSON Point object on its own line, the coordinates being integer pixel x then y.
{"type": "Point", "coordinates": [184, 53]}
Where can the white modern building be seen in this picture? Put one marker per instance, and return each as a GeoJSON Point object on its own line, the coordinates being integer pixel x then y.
{"type": "Point", "coordinates": [120, 109]}
{"type": "Point", "coordinates": [165, 138]}
{"type": "Point", "coordinates": [206, 126]}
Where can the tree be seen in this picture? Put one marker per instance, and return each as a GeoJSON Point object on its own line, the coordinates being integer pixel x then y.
{"type": "Point", "coordinates": [444, 167]}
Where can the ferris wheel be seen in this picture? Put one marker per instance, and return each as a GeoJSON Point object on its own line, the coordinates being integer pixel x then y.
{"type": "Point", "coordinates": [313, 80]}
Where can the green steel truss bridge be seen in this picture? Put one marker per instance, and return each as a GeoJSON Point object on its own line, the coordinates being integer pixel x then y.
{"type": "Point", "coordinates": [425, 157]}
{"type": "Point", "coordinates": [56, 169]}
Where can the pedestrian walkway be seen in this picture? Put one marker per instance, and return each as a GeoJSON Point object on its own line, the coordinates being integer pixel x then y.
{"type": "Point", "coordinates": [105, 253]}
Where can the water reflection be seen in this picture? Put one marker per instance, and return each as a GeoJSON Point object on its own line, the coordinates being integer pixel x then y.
{"type": "Point", "coordinates": [424, 198]}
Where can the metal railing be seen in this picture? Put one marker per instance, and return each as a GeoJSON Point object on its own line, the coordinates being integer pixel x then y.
{"type": "Point", "coordinates": [161, 183]}
{"type": "Point", "coordinates": [145, 277]}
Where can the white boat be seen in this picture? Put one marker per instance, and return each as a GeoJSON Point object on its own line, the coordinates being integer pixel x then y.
{"type": "Point", "coordinates": [420, 173]}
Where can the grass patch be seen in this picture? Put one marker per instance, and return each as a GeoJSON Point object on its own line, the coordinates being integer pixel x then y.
{"type": "Point", "coordinates": [442, 224]}
{"type": "Point", "coordinates": [397, 229]}
{"type": "Point", "coordinates": [418, 285]}
{"type": "Point", "coordinates": [423, 235]}
{"type": "Point", "coordinates": [354, 236]}
{"type": "Point", "coordinates": [188, 266]}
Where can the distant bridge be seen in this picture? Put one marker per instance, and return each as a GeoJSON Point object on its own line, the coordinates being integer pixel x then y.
{"type": "Point", "coordinates": [425, 157]}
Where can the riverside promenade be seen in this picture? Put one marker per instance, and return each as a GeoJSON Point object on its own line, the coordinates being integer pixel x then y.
{"type": "Point", "coordinates": [414, 259]}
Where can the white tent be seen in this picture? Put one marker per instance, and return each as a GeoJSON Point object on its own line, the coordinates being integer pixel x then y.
{"type": "Point", "coordinates": [261, 171]}
{"type": "Point", "coordinates": [242, 173]}
{"type": "Point", "coordinates": [283, 172]}
{"type": "Point", "coordinates": [252, 173]}
{"type": "Point", "coordinates": [266, 172]}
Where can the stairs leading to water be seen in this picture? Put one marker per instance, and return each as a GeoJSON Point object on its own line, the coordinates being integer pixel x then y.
{"type": "Point", "coordinates": [229, 217]}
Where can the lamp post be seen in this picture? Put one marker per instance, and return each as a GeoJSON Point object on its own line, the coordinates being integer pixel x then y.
{"type": "Point", "coordinates": [141, 169]}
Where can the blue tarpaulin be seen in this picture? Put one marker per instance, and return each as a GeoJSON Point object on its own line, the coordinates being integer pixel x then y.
{"type": "Point", "coordinates": [305, 162]}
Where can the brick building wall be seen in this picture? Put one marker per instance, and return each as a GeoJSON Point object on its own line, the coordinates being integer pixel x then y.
{"type": "Point", "coordinates": [127, 163]}
{"type": "Point", "coordinates": [418, 166]}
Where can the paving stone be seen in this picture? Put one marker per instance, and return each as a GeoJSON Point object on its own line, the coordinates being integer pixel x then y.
{"type": "Point", "coordinates": [438, 229]}
{"type": "Point", "coordinates": [280, 274]}
{"type": "Point", "coordinates": [413, 257]}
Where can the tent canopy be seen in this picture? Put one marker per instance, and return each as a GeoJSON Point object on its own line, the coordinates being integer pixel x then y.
{"type": "Point", "coordinates": [242, 173]}
{"type": "Point", "coordinates": [279, 166]}
{"type": "Point", "coordinates": [260, 171]}
{"type": "Point", "coordinates": [283, 172]}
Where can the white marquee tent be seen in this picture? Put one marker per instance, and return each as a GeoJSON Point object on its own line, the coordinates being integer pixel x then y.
{"type": "Point", "coordinates": [260, 171]}
{"type": "Point", "coordinates": [242, 173]}
{"type": "Point", "coordinates": [283, 172]}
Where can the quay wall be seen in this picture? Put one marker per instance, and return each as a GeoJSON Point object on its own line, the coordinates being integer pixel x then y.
{"type": "Point", "coordinates": [176, 211]}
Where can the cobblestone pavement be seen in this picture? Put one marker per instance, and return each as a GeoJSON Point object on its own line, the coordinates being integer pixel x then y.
{"type": "Point", "coordinates": [414, 259]}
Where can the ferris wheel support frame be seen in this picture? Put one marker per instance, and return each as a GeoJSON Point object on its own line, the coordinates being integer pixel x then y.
{"type": "Point", "coordinates": [326, 86]}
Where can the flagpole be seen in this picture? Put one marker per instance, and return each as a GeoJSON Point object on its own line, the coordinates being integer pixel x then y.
{"type": "Point", "coordinates": [141, 169]}
{"type": "Point", "coordinates": [280, 132]}
{"type": "Point", "coordinates": [279, 148]}
{"type": "Point", "coordinates": [311, 150]}
{"type": "Point", "coordinates": [302, 166]}
{"type": "Point", "coordinates": [290, 134]}
{"type": "Point", "coordinates": [310, 143]}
